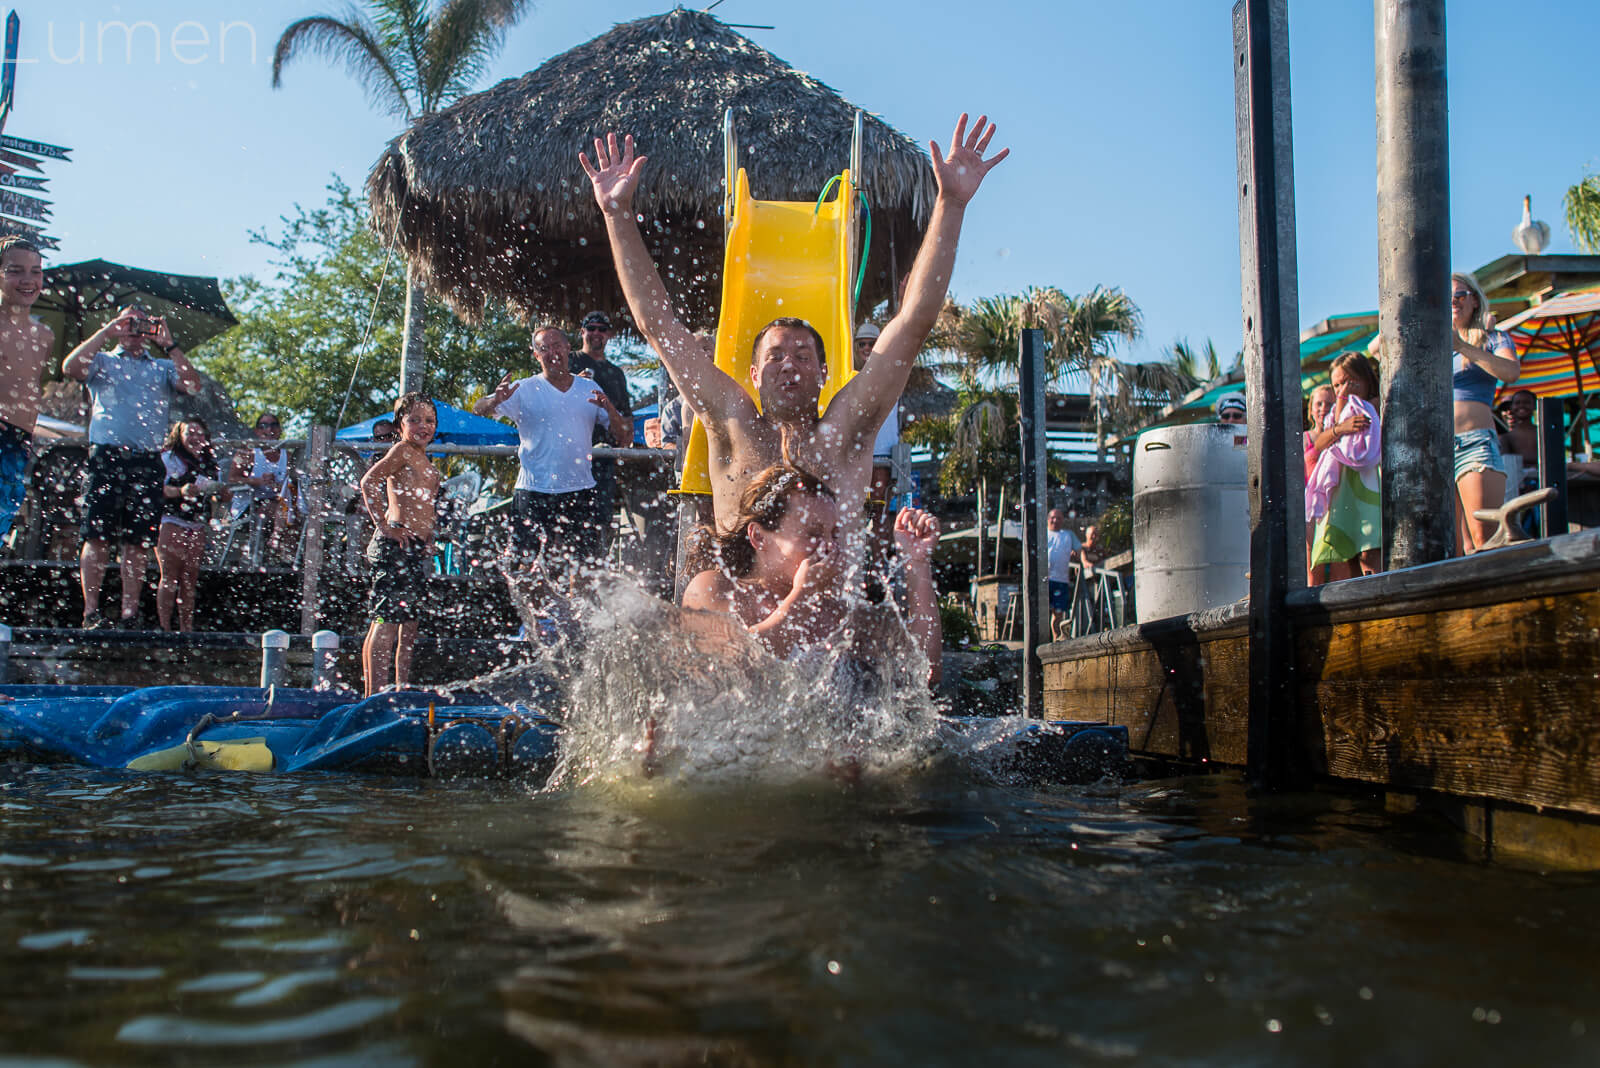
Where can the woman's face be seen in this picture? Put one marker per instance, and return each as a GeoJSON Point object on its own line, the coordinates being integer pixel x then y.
{"type": "Point", "coordinates": [1321, 405]}
{"type": "Point", "coordinates": [1346, 385]}
{"type": "Point", "coordinates": [194, 437]}
{"type": "Point", "coordinates": [1463, 304]}
{"type": "Point", "coordinates": [809, 527]}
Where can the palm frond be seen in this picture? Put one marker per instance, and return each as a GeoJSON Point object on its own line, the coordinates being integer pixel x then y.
{"type": "Point", "coordinates": [403, 26]}
{"type": "Point", "coordinates": [1582, 203]}
{"type": "Point", "coordinates": [462, 37]}
{"type": "Point", "coordinates": [355, 43]}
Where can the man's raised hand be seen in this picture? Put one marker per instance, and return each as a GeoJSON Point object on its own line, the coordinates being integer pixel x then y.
{"type": "Point", "coordinates": [506, 387]}
{"type": "Point", "coordinates": [961, 172]}
{"type": "Point", "coordinates": [614, 172]}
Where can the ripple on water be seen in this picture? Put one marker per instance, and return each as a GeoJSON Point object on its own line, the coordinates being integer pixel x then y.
{"type": "Point", "coordinates": [183, 1032]}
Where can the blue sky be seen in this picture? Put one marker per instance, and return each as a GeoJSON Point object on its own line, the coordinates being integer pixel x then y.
{"type": "Point", "coordinates": [1119, 116]}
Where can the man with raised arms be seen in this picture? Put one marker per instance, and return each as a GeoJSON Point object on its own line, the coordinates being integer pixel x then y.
{"type": "Point", "coordinates": [788, 363]}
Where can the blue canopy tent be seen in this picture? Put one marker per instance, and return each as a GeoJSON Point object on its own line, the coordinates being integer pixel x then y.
{"type": "Point", "coordinates": [456, 427]}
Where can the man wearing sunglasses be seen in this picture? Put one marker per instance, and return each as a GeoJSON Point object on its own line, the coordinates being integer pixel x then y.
{"type": "Point", "coordinates": [131, 396]}
{"type": "Point", "coordinates": [595, 330]}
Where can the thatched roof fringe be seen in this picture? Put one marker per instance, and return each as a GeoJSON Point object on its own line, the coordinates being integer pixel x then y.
{"type": "Point", "coordinates": [492, 203]}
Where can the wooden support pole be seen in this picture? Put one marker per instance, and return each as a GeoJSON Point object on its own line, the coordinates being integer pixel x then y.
{"type": "Point", "coordinates": [1552, 466]}
{"type": "Point", "coordinates": [1035, 568]}
{"type": "Point", "coordinates": [1272, 376]}
{"type": "Point", "coordinates": [314, 465]}
{"type": "Point", "coordinates": [1419, 490]}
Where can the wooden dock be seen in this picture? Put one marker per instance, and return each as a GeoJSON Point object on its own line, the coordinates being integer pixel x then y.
{"type": "Point", "coordinates": [1472, 685]}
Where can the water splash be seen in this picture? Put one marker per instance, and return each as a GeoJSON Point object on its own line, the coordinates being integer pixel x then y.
{"type": "Point", "coordinates": [682, 695]}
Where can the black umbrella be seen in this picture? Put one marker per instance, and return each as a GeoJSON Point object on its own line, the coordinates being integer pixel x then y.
{"type": "Point", "coordinates": [79, 298]}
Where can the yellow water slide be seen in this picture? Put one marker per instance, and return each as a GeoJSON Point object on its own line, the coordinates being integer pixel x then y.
{"type": "Point", "coordinates": [782, 259]}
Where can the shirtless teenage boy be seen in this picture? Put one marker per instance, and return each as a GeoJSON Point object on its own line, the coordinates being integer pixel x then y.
{"type": "Point", "coordinates": [399, 491]}
{"type": "Point", "coordinates": [788, 365]}
{"type": "Point", "coordinates": [24, 347]}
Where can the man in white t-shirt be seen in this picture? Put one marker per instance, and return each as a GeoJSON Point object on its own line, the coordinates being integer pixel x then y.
{"type": "Point", "coordinates": [555, 413]}
{"type": "Point", "coordinates": [1063, 548]}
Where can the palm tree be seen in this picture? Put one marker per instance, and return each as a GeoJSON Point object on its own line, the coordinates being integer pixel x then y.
{"type": "Point", "coordinates": [1583, 212]}
{"type": "Point", "coordinates": [411, 61]}
{"type": "Point", "coordinates": [1197, 365]}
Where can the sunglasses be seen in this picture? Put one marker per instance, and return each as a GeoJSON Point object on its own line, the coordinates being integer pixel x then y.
{"type": "Point", "coordinates": [1460, 295]}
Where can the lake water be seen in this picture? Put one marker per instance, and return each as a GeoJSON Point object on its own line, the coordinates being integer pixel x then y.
{"type": "Point", "coordinates": [238, 920]}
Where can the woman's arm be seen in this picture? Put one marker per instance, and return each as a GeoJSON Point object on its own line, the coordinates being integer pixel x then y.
{"type": "Point", "coordinates": [1352, 424]}
{"type": "Point", "coordinates": [916, 534]}
{"type": "Point", "coordinates": [1507, 368]}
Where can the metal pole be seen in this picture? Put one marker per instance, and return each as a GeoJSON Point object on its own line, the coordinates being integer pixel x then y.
{"type": "Point", "coordinates": [314, 463]}
{"type": "Point", "coordinates": [1552, 466]}
{"type": "Point", "coordinates": [1272, 376]}
{"type": "Point", "coordinates": [274, 658]}
{"type": "Point", "coordinates": [1035, 588]}
{"type": "Point", "coordinates": [413, 356]}
{"type": "Point", "coordinates": [5, 653]}
{"type": "Point", "coordinates": [324, 660]}
{"type": "Point", "coordinates": [1413, 282]}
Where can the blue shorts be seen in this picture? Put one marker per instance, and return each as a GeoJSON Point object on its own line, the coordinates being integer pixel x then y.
{"type": "Point", "coordinates": [1060, 596]}
{"type": "Point", "coordinates": [1477, 450]}
{"type": "Point", "coordinates": [15, 446]}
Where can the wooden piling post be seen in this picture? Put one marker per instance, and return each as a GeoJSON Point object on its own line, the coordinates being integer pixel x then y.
{"type": "Point", "coordinates": [1272, 375]}
{"type": "Point", "coordinates": [1552, 466]}
{"type": "Point", "coordinates": [314, 464]}
{"type": "Point", "coordinates": [1035, 568]}
{"type": "Point", "coordinates": [1414, 282]}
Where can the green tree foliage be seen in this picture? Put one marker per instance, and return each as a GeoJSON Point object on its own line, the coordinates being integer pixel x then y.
{"type": "Point", "coordinates": [979, 343]}
{"type": "Point", "coordinates": [299, 336]}
{"type": "Point", "coordinates": [408, 59]}
{"type": "Point", "coordinates": [411, 61]}
{"type": "Point", "coordinates": [1583, 212]}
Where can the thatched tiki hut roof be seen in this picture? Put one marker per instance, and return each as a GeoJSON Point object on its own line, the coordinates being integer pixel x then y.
{"type": "Point", "coordinates": [491, 203]}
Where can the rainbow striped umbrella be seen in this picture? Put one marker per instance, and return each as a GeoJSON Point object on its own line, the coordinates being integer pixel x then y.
{"type": "Point", "coordinates": [1559, 345]}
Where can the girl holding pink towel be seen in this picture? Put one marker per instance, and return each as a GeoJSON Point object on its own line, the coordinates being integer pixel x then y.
{"type": "Point", "coordinates": [1343, 495]}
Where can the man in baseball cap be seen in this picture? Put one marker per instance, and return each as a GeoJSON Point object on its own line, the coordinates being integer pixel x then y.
{"type": "Point", "coordinates": [1230, 409]}
{"type": "Point", "coordinates": [590, 360]}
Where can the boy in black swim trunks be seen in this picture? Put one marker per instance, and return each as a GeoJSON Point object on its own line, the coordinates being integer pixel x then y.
{"type": "Point", "coordinates": [399, 491]}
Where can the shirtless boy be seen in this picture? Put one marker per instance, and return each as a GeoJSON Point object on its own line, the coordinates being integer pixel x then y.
{"type": "Point", "coordinates": [788, 364]}
{"type": "Point", "coordinates": [399, 491]}
{"type": "Point", "coordinates": [24, 347]}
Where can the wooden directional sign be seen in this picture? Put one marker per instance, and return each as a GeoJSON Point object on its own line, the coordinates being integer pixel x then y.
{"type": "Point", "coordinates": [21, 181]}
{"type": "Point", "coordinates": [20, 161]}
{"type": "Point", "coordinates": [24, 207]}
{"type": "Point", "coordinates": [18, 226]}
{"type": "Point", "coordinates": [35, 148]}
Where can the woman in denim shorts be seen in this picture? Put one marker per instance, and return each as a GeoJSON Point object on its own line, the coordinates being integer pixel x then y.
{"type": "Point", "coordinates": [1483, 358]}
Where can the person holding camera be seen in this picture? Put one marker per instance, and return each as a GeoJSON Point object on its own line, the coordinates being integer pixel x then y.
{"type": "Point", "coordinates": [130, 393]}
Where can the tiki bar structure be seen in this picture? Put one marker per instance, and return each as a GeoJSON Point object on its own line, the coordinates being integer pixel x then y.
{"type": "Point", "coordinates": [488, 202]}
{"type": "Point", "coordinates": [1463, 685]}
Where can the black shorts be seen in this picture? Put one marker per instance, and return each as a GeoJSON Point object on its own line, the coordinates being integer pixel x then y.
{"type": "Point", "coordinates": [399, 580]}
{"type": "Point", "coordinates": [562, 525]}
{"type": "Point", "coordinates": [122, 495]}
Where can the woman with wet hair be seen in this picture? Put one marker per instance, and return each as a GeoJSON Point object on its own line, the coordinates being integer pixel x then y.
{"type": "Point", "coordinates": [780, 569]}
{"type": "Point", "coordinates": [185, 497]}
